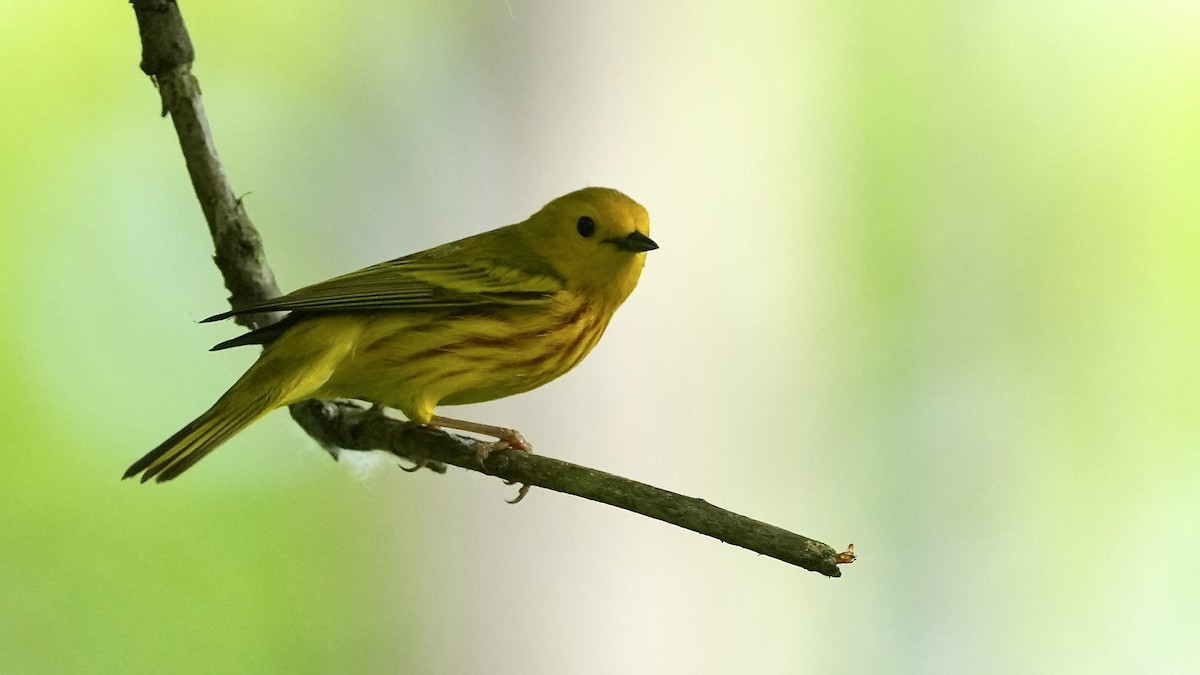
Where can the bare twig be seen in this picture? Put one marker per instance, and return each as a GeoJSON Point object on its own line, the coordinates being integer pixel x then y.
{"type": "Point", "coordinates": [349, 426]}
{"type": "Point", "coordinates": [167, 56]}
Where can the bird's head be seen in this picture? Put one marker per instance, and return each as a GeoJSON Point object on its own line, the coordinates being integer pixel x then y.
{"type": "Point", "coordinates": [595, 238]}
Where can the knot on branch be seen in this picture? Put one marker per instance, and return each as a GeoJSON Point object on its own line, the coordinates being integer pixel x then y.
{"type": "Point", "coordinates": [165, 41]}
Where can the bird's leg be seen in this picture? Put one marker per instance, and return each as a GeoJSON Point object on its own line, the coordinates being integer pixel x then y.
{"type": "Point", "coordinates": [507, 439]}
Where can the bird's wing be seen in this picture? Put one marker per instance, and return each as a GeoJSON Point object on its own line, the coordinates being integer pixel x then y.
{"type": "Point", "coordinates": [432, 279]}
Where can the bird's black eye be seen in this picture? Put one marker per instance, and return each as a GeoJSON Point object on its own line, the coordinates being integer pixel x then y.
{"type": "Point", "coordinates": [586, 226]}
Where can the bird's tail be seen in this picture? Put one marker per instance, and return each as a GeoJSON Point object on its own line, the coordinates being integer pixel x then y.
{"type": "Point", "coordinates": [190, 444]}
{"type": "Point", "coordinates": [292, 368]}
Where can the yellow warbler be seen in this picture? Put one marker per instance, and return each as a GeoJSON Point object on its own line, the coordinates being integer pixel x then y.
{"type": "Point", "coordinates": [474, 320]}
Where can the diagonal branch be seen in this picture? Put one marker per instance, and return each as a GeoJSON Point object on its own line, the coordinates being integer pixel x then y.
{"type": "Point", "coordinates": [167, 56]}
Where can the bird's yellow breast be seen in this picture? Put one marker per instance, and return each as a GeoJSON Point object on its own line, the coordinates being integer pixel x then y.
{"type": "Point", "coordinates": [415, 362]}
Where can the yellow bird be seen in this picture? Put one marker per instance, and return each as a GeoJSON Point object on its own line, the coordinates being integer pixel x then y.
{"type": "Point", "coordinates": [474, 320]}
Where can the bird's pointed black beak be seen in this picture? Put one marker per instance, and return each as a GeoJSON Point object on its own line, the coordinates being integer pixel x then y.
{"type": "Point", "coordinates": [635, 241]}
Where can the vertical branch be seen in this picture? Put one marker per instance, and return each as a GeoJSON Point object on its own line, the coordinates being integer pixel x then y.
{"type": "Point", "coordinates": [167, 56]}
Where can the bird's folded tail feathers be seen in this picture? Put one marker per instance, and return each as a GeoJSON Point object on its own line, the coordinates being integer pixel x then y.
{"type": "Point", "coordinates": [193, 442]}
{"type": "Point", "coordinates": [259, 336]}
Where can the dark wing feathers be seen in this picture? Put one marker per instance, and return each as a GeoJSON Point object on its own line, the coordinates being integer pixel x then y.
{"type": "Point", "coordinates": [428, 280]}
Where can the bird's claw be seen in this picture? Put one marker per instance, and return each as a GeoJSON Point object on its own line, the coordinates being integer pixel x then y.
{"type": "Point", "coordinates": [418, 464]}
{"type": "Point", "coordinates": [524, 490]}
{"type": "Point", "coordinates": [511, 440]}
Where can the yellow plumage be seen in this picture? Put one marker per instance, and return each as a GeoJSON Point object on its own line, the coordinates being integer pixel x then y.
{"type": "Point", "coordinates": [474, 320]}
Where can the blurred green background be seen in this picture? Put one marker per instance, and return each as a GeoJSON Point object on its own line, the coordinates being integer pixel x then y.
{"type": "Point", "coordinates": [928, 283]}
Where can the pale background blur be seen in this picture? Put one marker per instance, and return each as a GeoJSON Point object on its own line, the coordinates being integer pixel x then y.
{"type": "Point", "coordinates": [928, 283]}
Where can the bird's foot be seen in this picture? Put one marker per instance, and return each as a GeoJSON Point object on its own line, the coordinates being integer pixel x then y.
{"type": "Point", "coordinates": [506, 439]}
{"type": "Point", "coordinates": [514, 441]}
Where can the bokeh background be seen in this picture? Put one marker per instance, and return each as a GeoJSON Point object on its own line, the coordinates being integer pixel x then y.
{"type": "Point", "coordinates": [928, 283]}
